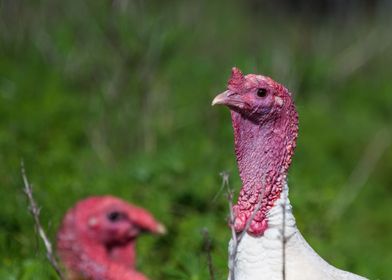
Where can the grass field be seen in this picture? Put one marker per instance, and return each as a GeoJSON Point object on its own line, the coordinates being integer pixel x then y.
{"type": "Point", "coordinates": [102, 97]}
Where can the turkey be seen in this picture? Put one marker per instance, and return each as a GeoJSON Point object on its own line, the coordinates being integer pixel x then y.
{"type": "Point", "coordinates": [97, 238]}
{"type": "Point", "coordinates": [265, 124]}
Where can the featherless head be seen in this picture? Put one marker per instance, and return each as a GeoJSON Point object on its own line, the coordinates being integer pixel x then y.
{"type": "Point", "coordinates": [265, 126]}
{"type": "Point", "coordinates": [102, 231]}
{"type": "Point", "coordinates": [256, 97]}
{"type": "Point", "coordinates": [112, 220]}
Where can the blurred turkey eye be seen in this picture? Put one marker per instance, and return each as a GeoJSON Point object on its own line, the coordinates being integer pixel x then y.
{"type": "Point", "coordinates": [114, 216]}
{"type": "Point", "coordinates": [261, 92]}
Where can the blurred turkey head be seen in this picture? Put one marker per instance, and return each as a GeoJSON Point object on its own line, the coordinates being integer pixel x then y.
{"type": "Point", "coordinates": [99, 231]}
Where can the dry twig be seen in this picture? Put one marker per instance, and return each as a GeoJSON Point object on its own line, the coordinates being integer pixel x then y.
{"type": "Point", "coordinates": [284, 241]}
{"type": "Point", "coordinates": [249, 221]}
{"type": "Point", "coordinates": [232, 253]}
{"type": "Point", "coordinates": [208, 248]}
{"type": "Point", "coordinates": [236, 239]}
{"type": "Point", "coordinates": [35, 212]}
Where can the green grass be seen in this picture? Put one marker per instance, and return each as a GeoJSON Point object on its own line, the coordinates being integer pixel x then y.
{"type": "Point", "coordinates": [98, 99]}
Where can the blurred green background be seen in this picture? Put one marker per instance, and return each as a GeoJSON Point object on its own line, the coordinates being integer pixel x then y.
{"type": "Point", "coordinates": [114, 97]}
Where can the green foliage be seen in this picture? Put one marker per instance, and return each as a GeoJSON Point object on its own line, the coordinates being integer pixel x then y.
{"type": "Point", "coordinates": [114, 97]}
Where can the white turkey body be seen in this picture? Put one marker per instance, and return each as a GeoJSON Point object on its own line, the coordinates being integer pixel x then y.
{"type": "Point", "coordinates": [259, 258]}
{"type": "Point", "coordinates": [265, 123]}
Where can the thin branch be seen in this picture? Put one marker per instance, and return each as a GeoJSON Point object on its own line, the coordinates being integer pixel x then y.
{"type": "Point", "coordinates": [284, 240]}
{"type": "Point", "coordinates": [35, 212]}
{"type": "Point", "coordinates": [233, 252]}
{"type": "Point", "coordinates": [208, 249]}
{"type": "Point", "coordinates": [225, 181]}
{"type": "Point", "coordinates": [249, 221]}
{"type": "Point", "coordinates": [236, 239]}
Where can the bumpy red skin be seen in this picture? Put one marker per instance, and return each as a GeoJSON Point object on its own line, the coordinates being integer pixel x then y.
{"type": "Point", "coordinates": [265, 133]}
{"type": "Point", "coordinates": [92, 247]}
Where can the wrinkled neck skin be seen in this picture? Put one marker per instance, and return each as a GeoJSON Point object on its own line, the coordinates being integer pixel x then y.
{"type": "Point", "coordinates": [263, 151]}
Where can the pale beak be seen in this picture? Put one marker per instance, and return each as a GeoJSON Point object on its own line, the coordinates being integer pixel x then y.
{"type": "Point", "coordinates": [229, 98]}
{"type": "Point", "coordinates": [221, 98]}
{"type": "Point", "coordinates": [144, 220]}
{"type": "Point", "coordinates": [161, 229]}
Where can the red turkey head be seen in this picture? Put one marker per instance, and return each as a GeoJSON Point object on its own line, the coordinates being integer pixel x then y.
{"type": "Point", "coordinates": [102, 230]}
{"type": "Point", "coordinates": [256, 97]}
{"type": "Point", "coordinates": [114, 221]}
{"type": "Point", "coordinates": [265, 126]}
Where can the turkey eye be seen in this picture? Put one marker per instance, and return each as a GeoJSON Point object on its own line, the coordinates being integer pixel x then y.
{"type": "Point", "coordinates": [261, 92]}
{"type": "Point", "coordinates": [114, 216]}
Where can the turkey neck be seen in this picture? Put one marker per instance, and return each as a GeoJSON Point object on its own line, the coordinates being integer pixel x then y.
{"type": "Point", "coordinates": [103, 255]}
{"type": "Point", "coordinates": [85, 254]}
{"type": "Point", "coordinates": [264, 150]}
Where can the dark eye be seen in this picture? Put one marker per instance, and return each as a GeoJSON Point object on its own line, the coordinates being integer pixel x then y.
{"type": "Point", "coordinates": [261, 92]}
{"type": "Point", "coordinates": [115, 216]}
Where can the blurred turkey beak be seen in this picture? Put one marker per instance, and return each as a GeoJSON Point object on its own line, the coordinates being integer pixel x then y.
{"type": "Point", "coordinates": [144, 220]}
{"type": "Point", "coordinates": [228, 98]}
{"type": "Point", "coordinates": [161, 229]}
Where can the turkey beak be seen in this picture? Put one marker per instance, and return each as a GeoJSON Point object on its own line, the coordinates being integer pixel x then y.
{"type": "Point", "coordinates": [228, 98]}
{"type": "Point", "coordinates": [160, 229]}
{"type": "Point", "coordinates": [145, 221]}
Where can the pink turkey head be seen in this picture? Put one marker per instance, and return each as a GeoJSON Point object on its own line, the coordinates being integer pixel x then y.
{"type": "Point", "coordinates": [113, 221]}
{"type": "Point", "coordinates": [265, 124]}
{"type": "Point", "coordinates": [102, 230]}
{"type": "Point", "coordinates": [256, 97]}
